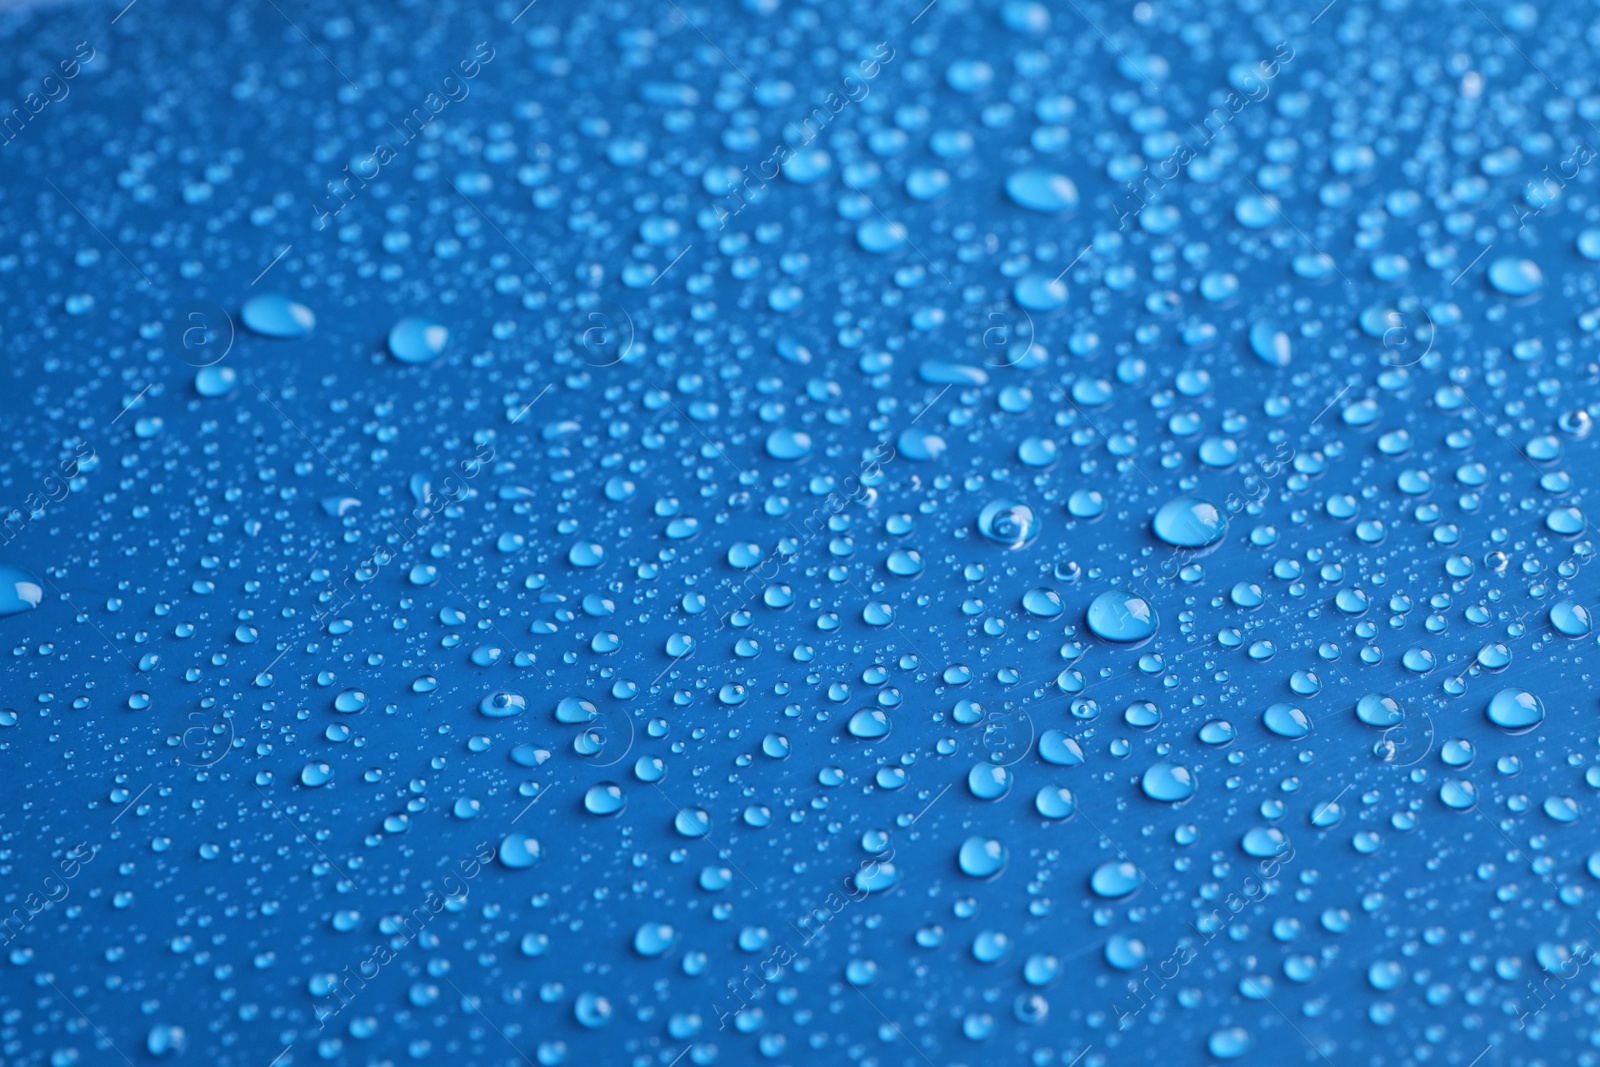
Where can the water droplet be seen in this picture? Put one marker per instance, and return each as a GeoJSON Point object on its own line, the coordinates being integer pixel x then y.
{"type": "Point", "coordinates": [654, 939]}
{"type": "Point", "coordinates": [215, 381]}
{"type": "Point", "coordinates": [1270, 344]}
{"type": "Point", "coordinates": [1229, 1043]}
{"type": "Point", "coordinates": [1286, 720]}
{"type": "Point", "coordinates": [19, 590]}
{"type": "Point", "coordinates": [1515, 710]}
{"type": "Point", "coordinates": [1168, 782]}
{"type": "Point", "coordinates": [1516, 277]}
{"type": "Point", "coordinates": [982, 857]}
{"type": "Point", "coordinates": [869, 724]}
{"type": "Point", "coordinates": [1055, 802]}
{"type": "Point", "coordinates": [788, 444]}
{"type": "Point", "coordinates": [1115, 879]}
{"type": "Point", "coordinates": [273, 315]}
{"type": "Point", "coordinates": [1008, 523]}
{"type": "Point", "coordinates": [350, 701]}
{"type": "Point", "coordinates": [1189, 522]}
{"type": "Point", "coordinates": [1122, 617]}
{"type": "Point", "coordinates": [1570, 618]}
{"type": "Point", "coordinates": [1458, 793]}
{"type": "Point", "coordinates": [417, 340]}
{"type": "Point", "coordinates": [518, 851]}
{"type": "Point", "coordinates": [1125, 953]}
{"type": "Point", "coordinates": [1043, 603]}
{"type": "Point", "coordinates": [989, 782]}
{"type": "Point", "coordinates": [502, 704]}
{"type": "Point", "coordinates": [1044, 191]}
{"type": "Point", "coordinates": [604, 798]}
{"type": "Point", "coordinates": [1264, 841]}
{"type": "Point", "coordinates": [1379, 709]}
{"type": "Point", "coordinates": [1057, 748]}
{"type": "Point", "coordinates": [692, 822]}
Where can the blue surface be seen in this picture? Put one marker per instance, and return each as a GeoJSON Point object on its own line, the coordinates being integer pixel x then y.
{"type": "Point", "coordinates": [800, 533]}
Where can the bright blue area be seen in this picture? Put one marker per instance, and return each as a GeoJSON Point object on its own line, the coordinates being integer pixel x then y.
{"type": "Point", "coordinates": [803, 533]}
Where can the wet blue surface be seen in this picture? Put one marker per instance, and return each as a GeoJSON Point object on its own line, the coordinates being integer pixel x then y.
{"type": "Point", "coordinates": [798, 533]}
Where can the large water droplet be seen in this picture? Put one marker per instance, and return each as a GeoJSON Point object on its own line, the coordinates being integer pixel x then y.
{"type": "Point", "coordinates": [518, 851]}
{"type": "Point", "coordinates": [1379, 709]}
{"type": "Point", "coordinates": [1008, 523]}
{"type": "Point", "coordinates": [1189, 522]}
{"type": "Point", "coordinates": [1168, 781]}
{"type": "Point", "coordinates": [1516, 710]}
{"type": "Point", "coordinates": [1055, 802]}
{"type": "Point", "coordinates": [1229, 1043]}
{"type": "Point", "coordinates": [869, 724]}
{"type": "Point", "coordinates": [1516, 277]}
{"type": "Point", "coordinates": [1264, 841]}
{"type": "Point", "coordinates": [1270, 344]}
{"type": "Point", "coordinates": [1286, 720]}
{"type": "Point", "coordinates": [416, 340]}
{"type": "Point", "coordinates": [19, 590]}
{"type": "Point", "coordinates": [273, 315]}
{"type": "Point", "coordinates": [1122, 617]}
{"type": "Point", "coordinates": [502, 704]}
{"type": "Point", "coordinates": [982, 857]}
{"type": "Point", "coordinates": [1056, 747]}
{"type": "Point", "coordinates": [1570, 618]}
{"type": "Point", "coordinates": [1044, 191]}
{"type": "Point", "coordinates": [604, 798]}
{"type": "Point", "coordinates": [1458, 793]}
{"type": "Point", "coordinates": [784, 443]}
{"type": "Point", "coordinates": [1114, 879]}
{"type": "Point", "coordinates": [654, 939]}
